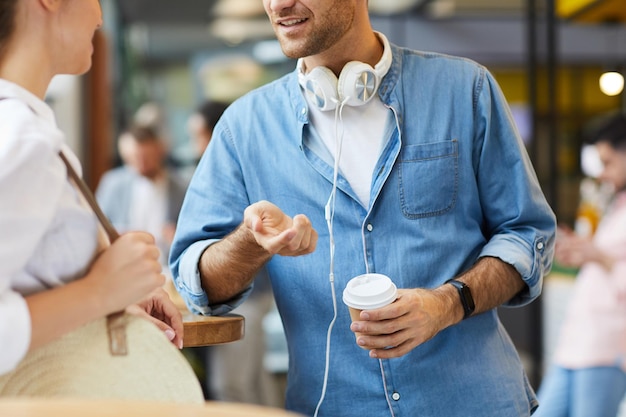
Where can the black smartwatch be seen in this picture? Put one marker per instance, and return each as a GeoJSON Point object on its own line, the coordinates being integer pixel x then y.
{"type": "Point", "coordinates": [465, 295]}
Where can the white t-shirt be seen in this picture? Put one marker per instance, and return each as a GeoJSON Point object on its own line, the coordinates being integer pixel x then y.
{"type": "Point", "coordinates": [47, 236]}
{"type": "Point", "coordinates": [363, 139]}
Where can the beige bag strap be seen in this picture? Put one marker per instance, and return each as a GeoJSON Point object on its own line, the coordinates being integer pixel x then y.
{"type": "Point", "coordinates": [116, 322]}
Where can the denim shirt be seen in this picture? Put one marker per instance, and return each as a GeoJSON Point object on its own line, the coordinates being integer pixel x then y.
{"type": "Point", "coordinates": [452, 184]}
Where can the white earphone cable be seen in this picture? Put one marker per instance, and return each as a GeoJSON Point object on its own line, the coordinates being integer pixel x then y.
{"type": "Point", "coordinates": [329, 214]}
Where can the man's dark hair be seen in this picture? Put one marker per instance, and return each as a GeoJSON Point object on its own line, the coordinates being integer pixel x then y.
{"type": "Point", "coordinates": [610, 129]}
{"type": "Point", "coordinates": [211, 111]}
{"type": "Point", "coordinates": [143, 134]}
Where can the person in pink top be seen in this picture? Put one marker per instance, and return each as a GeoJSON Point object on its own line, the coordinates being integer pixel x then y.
{"type": "Point", "coordinates": [587, 377]}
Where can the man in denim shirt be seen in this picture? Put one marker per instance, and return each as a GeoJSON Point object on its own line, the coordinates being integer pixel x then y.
{"type": "Point", "coordinates": [413, 161]}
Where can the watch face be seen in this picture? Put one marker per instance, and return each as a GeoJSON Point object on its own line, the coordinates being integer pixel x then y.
{"type": "Point", "coordinates": [468, 300]}
{"type": "Point", "coordinates": [465, 295]}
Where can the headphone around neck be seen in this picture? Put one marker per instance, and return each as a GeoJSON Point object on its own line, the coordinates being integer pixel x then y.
{"type": "Point", "coordinates": [357, 83]}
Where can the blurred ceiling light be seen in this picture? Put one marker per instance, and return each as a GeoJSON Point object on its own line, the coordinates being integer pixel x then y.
{"type": "Point", "coordinates": [611, 83]}
{"type": "Point", "coordinates": [238, 8]}
{"type": "Point", "coordinates": [392, 6]}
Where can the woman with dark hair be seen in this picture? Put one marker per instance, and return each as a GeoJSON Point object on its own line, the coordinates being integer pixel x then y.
{"type": "Point", "coordinates": [588, 372]}
{"type": "Point", "coordinates": [56, 273]}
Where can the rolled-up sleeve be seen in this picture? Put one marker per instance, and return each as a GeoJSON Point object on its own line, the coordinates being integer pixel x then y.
{"type": "Point", "coordinates": [519, 220]}
{"type": "Point", "coordinates": [189, 285]}
{"type": "Point", "coordinates": [532, 262]}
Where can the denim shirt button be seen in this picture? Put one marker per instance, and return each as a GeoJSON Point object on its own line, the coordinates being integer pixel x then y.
{"type": "Point", "coordinates": [539, 245]}
{"type": "Point", "coordinates": [395, 396]}
{"type": "Point", "coordinates": [303, 111]}
{"type": "Point", "coordinates": [370, 227]}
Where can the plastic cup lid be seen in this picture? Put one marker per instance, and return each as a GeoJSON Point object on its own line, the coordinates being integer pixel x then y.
{"type": "Point", "coordinates": [369, 291]}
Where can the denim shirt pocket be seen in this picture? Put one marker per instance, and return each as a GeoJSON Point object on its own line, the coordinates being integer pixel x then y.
{"type": "Point", "coordinates": [428, 178]}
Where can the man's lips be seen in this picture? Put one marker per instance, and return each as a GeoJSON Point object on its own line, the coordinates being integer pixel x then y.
{"type": "Point", "coordinates": [290, 22]}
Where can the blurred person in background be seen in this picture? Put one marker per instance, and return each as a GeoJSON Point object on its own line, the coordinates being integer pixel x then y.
{"type": "Point", "coordinates": [201, 123]}
{"type": "Point", "coordinates": [144, 193]}
{"type": "Point", "coordinates": [56, 275]}
{"type": "Point", "coordinates": [587, 376]}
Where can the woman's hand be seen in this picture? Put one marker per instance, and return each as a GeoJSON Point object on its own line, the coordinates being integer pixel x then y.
{"type": "Point", "coordinates": [572, 250]}
{"type": "Point", "coordinates": [159, 309]}
{"type": "Point", "coordinates": [127, 271]}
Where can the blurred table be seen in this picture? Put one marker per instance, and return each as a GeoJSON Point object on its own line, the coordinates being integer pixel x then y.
{"type": "Point", "coordinates": [211, 330]}
{"type": "Point", "coordinates": [114, 408]}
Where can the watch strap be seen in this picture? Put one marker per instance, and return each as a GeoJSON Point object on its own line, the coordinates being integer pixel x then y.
{"type": "Point", "coordinates": [467, 301]}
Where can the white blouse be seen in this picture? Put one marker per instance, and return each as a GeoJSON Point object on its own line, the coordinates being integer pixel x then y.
{"type": "Point", "coordinates": [47, 237]}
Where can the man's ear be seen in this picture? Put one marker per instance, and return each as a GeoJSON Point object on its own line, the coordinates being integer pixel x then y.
{"type": "Point", "coordinates": [50, 5]}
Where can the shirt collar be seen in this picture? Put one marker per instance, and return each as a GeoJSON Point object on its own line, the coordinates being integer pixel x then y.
{"type": "Point", "coordinates": [9, 89]}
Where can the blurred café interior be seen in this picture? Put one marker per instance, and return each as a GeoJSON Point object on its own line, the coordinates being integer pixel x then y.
{"type": "Point", "coordinates": [547, 55]}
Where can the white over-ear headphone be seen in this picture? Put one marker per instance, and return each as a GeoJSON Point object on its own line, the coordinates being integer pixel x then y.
{"type": "Point", "coordinates": [357, 83]}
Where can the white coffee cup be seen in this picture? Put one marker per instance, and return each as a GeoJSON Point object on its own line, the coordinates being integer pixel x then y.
{"type": "Point", "coordinates": [368, 292]}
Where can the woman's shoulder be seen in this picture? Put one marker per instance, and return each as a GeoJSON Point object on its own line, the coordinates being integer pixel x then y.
{"type": "Point", "coordinates": [21, 126]}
